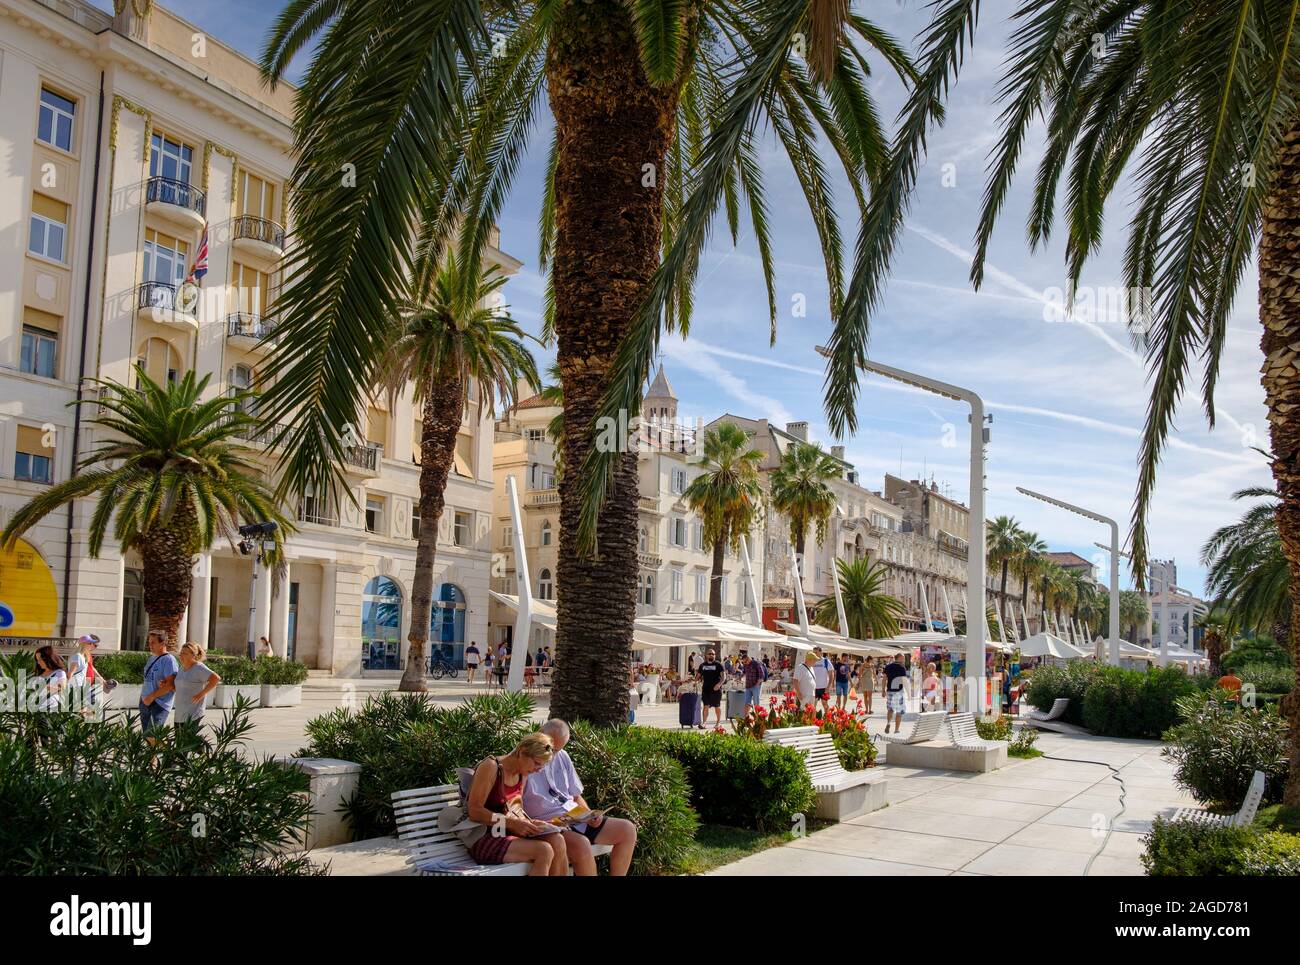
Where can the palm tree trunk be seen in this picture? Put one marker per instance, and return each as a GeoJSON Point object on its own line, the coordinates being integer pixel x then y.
{"type": "Point", "coordinates": [612, 131]}
{"type": "Point", "coordinates": [167, 557]}
{"type": "Point", "coordinates": [440, 421]}
{"type": "Point", "coordinates": [715, 583]}
{"type": "Point", "coordinates": [1279, 311]}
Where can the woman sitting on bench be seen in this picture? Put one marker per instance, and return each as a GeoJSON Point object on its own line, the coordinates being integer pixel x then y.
{"type": "Point", "coordinates": [495, 801]}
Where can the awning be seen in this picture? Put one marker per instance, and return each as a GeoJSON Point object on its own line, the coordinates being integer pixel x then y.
{"type": "Point", "coordinates": [830, 640]}
{"type": "Point", "coordinates": [543, 614]}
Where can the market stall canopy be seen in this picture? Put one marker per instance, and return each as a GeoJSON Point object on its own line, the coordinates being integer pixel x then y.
{"type": "Point", "coordinates": [1049, 645]}
{"type": "Point", "coordinates": [830, 640]}
{"type": "Point", "coordinates": [694, 628]}
{"type": "Point", "coordinates": [544, 615]}
{"type": "Point", "coordinates": [1126, 649]}
{"type": "Point", "coordinates": [1182, 655]}
{"type": "Point", "coordinates": [921, 638]}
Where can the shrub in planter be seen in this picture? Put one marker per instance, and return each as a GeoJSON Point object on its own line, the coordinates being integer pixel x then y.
{"type": "Point", "coordinates": [1218, 747]}
{"type": "Point", "coordinates": [281, 681]}
{"type": "Point", "coordinates": [994, 728]}
{"type": "Point", "coordinates": [736, 780]}
{"type": "Point", "coordinates": [84, 798]}
{"type": "Point", "coordinates": [404, 741]}
{"type": "Point", "coordinates": [849, 732]}
{"type": "Point", "coordinates": [238, 679]}
{"type": "Point", "coordinates": [622, 776]}
{"type": "Point", "coordinates": [1134, 703]}
{"type": "Point", "coordinates": [124, 666]}
{"type": "Point", "coordinates": [1193, 849]}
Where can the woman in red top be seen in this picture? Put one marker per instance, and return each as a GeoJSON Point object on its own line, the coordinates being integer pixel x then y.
{"type": "Point", "coordinates": [495, 799]}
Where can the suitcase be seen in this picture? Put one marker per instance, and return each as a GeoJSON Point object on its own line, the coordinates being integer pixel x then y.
{"type": "Point", "coordinates": [688, 709]}
{"type": "Point", "coordinates": [735, 704]}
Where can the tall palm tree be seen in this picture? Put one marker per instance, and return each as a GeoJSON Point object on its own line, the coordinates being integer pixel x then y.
{"type": "Point", "coordinates": [452, 337]}
{"type": "Point", "coordinates": [170, 478]}
{"type": "Point", "coordinates": [1199, 100]}
{"type": "Point", "coordinates": [870, 611]}
{"type": "Point", "coordinates": [1054, 585]}
{"type": "Point", "coordinates": [1029, 562]}
{"type": "Point", "coordinates": [1247, 569]}
{"type": "Point", "coordinates": [1003, 548]}
{"type": "Point", "coordinates": [1133, 611]}
{"type": "Point", "coordinates": [415, 112]}
{"type": "Point", "coordinates": [799, 491]}
{"type": "Point", "coordinates": [727, 496]}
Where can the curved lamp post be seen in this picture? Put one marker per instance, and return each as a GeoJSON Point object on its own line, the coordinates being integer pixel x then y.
{"type": "Point", "coordinates": [1113, 628]}
{"type": "Point", "coordinates": [975, 592]}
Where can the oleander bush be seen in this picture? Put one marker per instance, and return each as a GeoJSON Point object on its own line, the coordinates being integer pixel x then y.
{"type": "Point", "coordinates": [1134, 703]}
{"type": "Point", "coordinates": [1193, 849]}
{"type": "Point", "coordinates": [1218, 746]}
{"type": "Point", "coordinates": [1048, 682]}
{"type": "Point", "coordinates": [1266, 678]}
{"type": "Point", "coordinates": [124, 666]}
{"type": "Point", "coordinates": [97, 798]}
{"type": "Point", "coordinates": [736, 780]}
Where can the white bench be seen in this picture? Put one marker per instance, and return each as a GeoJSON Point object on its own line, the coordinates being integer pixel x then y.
{"type": "Point", "coordinates": [924, 728]}
{"type": "Point", "coordinates": [965, 751]}
{"type": "Point", "coordinates": [1245, 814]}
{"type": "Point", "coordinates": [417, 812]}
{"type": "Point", "coordinates": [965, 735]}
{"type": "Point", "coordinates": [1056, 713]}
{"type": "Point", "coordinates": [841, 794]}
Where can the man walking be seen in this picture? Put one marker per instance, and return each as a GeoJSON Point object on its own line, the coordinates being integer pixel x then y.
{"type": "Point", "coordinates": [471, 660]}
{"type": "Point", "coordinates": [157, 693]}
{"type": "Point", "coordinates": [822, 674]}
{"type": "Point", "coordinates": [755, 673]}
{"type": "Point", "coordinates": [895, 692]}
{"type": "Point", "coordinates": [711, 673]}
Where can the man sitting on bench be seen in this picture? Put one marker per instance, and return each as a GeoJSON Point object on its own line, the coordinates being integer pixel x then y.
{"type": "Point", "coordinates": [555, 788]}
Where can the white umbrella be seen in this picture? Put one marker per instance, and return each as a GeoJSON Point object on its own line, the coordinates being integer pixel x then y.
{"type": "Point", "coordinates": [694, 628]}
{"type": "Point", "coordinates": [544, 615]}
{"type": "Point", "coordinates": [830, 640]}
{"type": "Point", "coordinates": [1049, 645]}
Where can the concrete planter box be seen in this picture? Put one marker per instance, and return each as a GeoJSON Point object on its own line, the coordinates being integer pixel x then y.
{"type": "Point", "coordinates": [124, 697]}
{"type": "Point", "coordinates": [281, 695]}
{"type": "Point", "coordinates": [225, 694]}
{"type": "Point", "coordinates": [332, 783]}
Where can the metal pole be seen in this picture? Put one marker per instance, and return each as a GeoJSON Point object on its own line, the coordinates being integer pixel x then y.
{"type": "Point", "coordinates": [749, 576]}
{"type": "Point", "coordinates": [252, 607]}
{"type": "Point", "coordinates": [798, 596]}
{"type": "Point", "coordinates": [524, 618]}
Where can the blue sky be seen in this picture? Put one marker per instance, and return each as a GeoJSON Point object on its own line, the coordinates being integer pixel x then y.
{"type": "Point", "coordinates": [1068, 398]}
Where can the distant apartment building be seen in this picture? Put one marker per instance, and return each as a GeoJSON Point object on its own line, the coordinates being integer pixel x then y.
{"type": "Point", "coordinates": [125, 141]}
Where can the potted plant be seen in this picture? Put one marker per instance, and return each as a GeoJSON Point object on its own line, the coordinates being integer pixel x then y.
{"type": "Point", "coordinates": [281, 681]}
{"type": "Point", "coordinates": [238, 679]}
{"type": "Point", "coordinates": [127, 668]}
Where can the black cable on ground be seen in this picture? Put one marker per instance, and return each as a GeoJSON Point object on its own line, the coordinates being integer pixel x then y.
{"type": "Point", "coordinates": [1110, 822]}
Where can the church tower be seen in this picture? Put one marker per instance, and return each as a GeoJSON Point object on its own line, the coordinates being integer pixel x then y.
{"type": "Point", "coordinates": [659, 404]}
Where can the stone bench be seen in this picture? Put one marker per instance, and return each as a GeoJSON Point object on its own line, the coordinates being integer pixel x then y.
{"type": "Point", "coordinates": [841, 794]}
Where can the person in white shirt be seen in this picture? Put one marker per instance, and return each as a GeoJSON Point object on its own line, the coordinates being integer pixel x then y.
{"type": "Point", "coordinates": [49, 667]}
{"type": "Point", "coordinates": [822, 673]}
{"type": "Point", "coordinates": [805, 680]}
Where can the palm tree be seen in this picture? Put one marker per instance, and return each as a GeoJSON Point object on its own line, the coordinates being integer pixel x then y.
{"type": "Point", "coordinates": [1004, 547]}
{"type": "Point", "coordinates": [450, 339]}
{"type": "Point", "coordinates": [1247, 570]}
{"type": "Point", "coordinates": [1199, 100]}
{"type": "Point", "coordinates": [799, 491]}
{"type": "Point", "coordinates": [869, 610]}
{"type": "Point", "coordinates": [417, 113]}
{"type": "Point", "coordinates": [171, 477]}
{"type": "Point", "coordinates": [1133, 611]}
{"type": "Point", "coordinates": [1215, 635]}
{"type": "Point", "coordinates": [727, 496]}
{"type": "Point", "coordinates": [1029, 562]}
{"type": "Point", "coordinates": [1054, 587]}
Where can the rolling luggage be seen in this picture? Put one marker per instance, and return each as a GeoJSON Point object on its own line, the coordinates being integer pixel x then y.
{"type": "Point", "coordinates": [735, 704]}
{"type": "Point", "coordinates": [688, 709]}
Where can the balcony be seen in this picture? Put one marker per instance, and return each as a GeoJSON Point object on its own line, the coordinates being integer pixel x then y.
{"type": "Point", "coordinates": [364, 458]}
{"type": "Point", "coordinates": [542, 497]}
{"type": "Point", "coordinates": [312, 510]}
{"type": "Point", "coordinates": [249, 331]}
{"type": "Point", "coordinates": [168, 305]}
{"type": "Point", "coordinates": [649, 560]}
{"type": "Point", "coordinates": [180, 203]}
{"type": "Point", "coordinates": [259, 237]}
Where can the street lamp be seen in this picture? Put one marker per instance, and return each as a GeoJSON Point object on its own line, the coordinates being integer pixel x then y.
{"type": "Point", "coordinates": [975, 592]}
{"type": "Point", "coordinates": [1166, 584]}
{"type": "Point", "coordinates": [1113, 629]}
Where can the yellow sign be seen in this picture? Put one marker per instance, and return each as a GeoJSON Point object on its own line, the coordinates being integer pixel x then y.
{"type": "Point", "coordinates": [29, 602]}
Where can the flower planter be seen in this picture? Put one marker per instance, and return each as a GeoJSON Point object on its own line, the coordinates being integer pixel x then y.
{"type": "Point", "coordinates": [281, 695]}
{"type": "Point", "coordinates": [226, 694]}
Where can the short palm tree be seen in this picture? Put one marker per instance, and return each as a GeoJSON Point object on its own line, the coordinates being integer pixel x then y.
{"type": "Point", "coordinates": [727, 496]}
{"type": "Point", "coordinates": [1198, 99]}
{"type": "Point", "coordinates": [800, 492]}
{"type": "Point", "coordinates": [170, 478]}
{"type": "Point", "coordinates": [1003, 548]}
{"type": "Point", "coordinates": [1247, 571]}
{"type": "Point", "coordinates": [453, 337]}
{"type": "Point", "coordinates": [416, 113]}
{"type": "Point", "coordinates": [1215, 636]}
{"type": "Point", "coordinates": [870, 611]}
{"type": "Point", "coordinates": [1133, 611]}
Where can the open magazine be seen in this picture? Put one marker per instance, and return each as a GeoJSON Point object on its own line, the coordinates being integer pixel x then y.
{"type": "Point", "coordinates": [574, 813]}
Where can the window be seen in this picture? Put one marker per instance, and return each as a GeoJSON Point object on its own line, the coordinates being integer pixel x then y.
{"type": "Point", "coordinates": [701, 587]}
{"type": "Point", "coordinates": [166, 259]}
{"type": "Point", "coordinates": [677, 586]}
{"type": "Point", "coordinates": [535, 435]}
{"type": "Point", "coordinates": [679, 481]}
{"type": "Point", "coordinates": [34, 460]}
{"type": "Point", "coordinates": [170, 159]}
{"type": "Point", "coordinates": [677, 531]}
{"type": "Point", "coordinates": [545, 586]}
{"type": "Point", "coordinates": [697, 536]}
{"type": "Point", "coordinates": [374, 514]}
{"type": "Point", "coordinates": [251, 287]}
{"type": "Point", "coordinates": [463, 459]}
{"type": "Point", "coordinates": [48, 227]}
{"type": "Point", "coordinates": [507, 536]}
{"type": "Point", "coordinates": [40, 345]}
{"type": "Point", "coordinates": [647, 589]}
{"type": "Point", "coordinates": [643, 541]}
{"type": "Point", "coordinates": [546, 533]}
{"type": "Point", "coordinates": [315, 509]}
{"type": "Point", "coordinates": [54, 124]}
{"type": "Point", "coordinates": [160, 361]}
{"type": "Point", "coordinates": [415, 521]}
{"type": "Point", "coordinates": [722, 590]}
{"type": "Point", "coordinates": [462, 529]}
{"type": "Point", "coordinates": [256, 196]}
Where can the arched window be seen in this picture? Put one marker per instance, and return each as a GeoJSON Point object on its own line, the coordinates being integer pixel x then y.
{"type": "Point", "coordinates": [447, 625]}
{"type": "Point", "coordinates": [160, 360]}
{"type": "Point", "coordinates": [648, 589]}
{"type": "Point", "coordinates": [546, 537]}
{"type": "Point", "coordinates": [643, 544]}
{"type": "Point", "coordinates": [381, 625]}
{"type": "Point", "coordinates": [545, 586]}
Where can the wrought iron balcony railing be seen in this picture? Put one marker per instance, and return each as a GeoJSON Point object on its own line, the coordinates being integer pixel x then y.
{"type": "Point", "coordinates": [179, 193]}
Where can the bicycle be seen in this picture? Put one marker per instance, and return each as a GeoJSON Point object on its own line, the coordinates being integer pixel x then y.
{"type": "Point", "coordinates": [439, 668]}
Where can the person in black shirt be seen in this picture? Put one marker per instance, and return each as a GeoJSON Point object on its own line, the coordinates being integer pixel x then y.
{"type": "Point", "coordinates": [711, 673]}
{"type": "Point", "coordinates": [895, 692]}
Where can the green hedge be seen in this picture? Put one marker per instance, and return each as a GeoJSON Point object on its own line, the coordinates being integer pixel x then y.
{"type": "Point", "coordinates": [1113, 701]}
{"type": "Point", "coordinates": [127, 667]}
{"type": "Point", "coordinates": [1048, 682]}
{"type": "Point", "coordinates": [1266, 678]}
{"type": "Point", "coordinates": [277, 671]}
{"type": "Point", "coordinates": [736, 780]}
{"type": "Point", "coordinates": [1192, 849]}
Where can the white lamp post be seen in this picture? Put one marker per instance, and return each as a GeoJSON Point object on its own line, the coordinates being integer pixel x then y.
{"type": "Point", "coordinates": [524, 618]}
{"type": "Point", "coordinates": [1113, 628]}
{"type": "Point", "coordinates": [975, 591]}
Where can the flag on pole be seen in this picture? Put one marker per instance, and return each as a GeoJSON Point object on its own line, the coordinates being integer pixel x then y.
{"type": "Point", "coordinates": [200, 266]}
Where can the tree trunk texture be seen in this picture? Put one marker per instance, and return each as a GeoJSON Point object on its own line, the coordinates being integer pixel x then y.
{"type": "Point", "coordinates": [612, 134]}
{"type": "Point", "coordinates": [715, 583]}
{"type": "Point", "coordinates": [440, 421]}
{"type": "Point", "coordinates": [167, 558]}
{"type": "Point", "coordinates": [1279, 313]}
